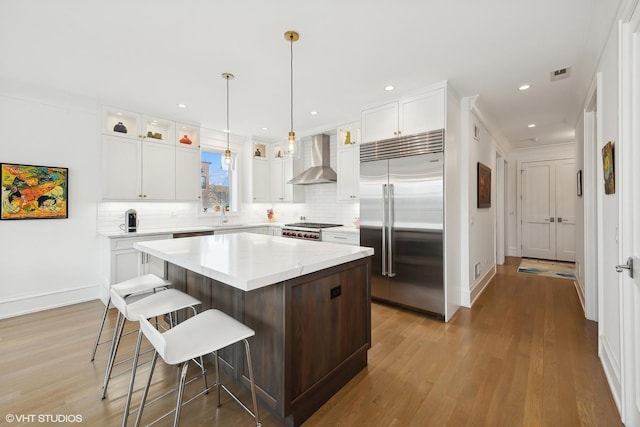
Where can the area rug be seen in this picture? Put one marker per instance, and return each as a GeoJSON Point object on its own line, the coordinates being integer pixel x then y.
{"type": "Point", "coordinates": [562, 270]}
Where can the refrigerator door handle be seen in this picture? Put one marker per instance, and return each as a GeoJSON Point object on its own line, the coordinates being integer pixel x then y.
{"type": "Point", "coordinates": [390, 230]}
{"type": "Point", "coordinates": [384, 229]}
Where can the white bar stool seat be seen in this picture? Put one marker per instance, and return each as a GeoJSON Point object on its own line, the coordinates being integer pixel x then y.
{"type": "Point", "coordinates": [156, 304]}
{"type": "Point", "coordinates": [197, 336]}
{"type": "Point", "coordinates": [127, 289]}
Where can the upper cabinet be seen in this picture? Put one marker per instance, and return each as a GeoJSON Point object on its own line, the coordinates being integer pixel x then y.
{"type": "Point", "coordinates": [271, 172]}
{"type": "Point", "coordinates": [407, 116]}
{"type": "Point", "coordinates": [140, 156]}
{"type": "Point", "coordinates": [348, 162]}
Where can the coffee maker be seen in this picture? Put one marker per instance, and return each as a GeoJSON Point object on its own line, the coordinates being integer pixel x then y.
{"type": "Point", "coordinates": [130, 221]}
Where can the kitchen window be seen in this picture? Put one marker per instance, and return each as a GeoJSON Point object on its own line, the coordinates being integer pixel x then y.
{"type": "Point", "coordinates": [218, 182]}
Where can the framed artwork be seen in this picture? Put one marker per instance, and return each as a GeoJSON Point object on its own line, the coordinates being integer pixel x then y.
{"type": "Point", "coordinates": [579, 183]}
{"type": "Point", "coordinates": [484, 186]}
{"type": "Point", "coordinates": [608, 166]}
{"type": "Point", "coordinates": [34, 192]}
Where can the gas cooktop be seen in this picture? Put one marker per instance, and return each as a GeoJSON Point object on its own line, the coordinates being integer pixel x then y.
{"type": "Point", "coordinates": [312, 225]}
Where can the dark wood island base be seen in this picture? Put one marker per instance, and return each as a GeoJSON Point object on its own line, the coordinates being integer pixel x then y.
{"type": "Point", "coordinates": [312, 333]}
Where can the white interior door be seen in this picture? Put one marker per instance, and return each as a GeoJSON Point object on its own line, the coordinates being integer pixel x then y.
{"type": "Point", "coordinates": [548, 210]}
{"type": "Point", "coordinates": [538, 210]}
{"type": "Point", "coordinates": [630, 224]}
{"type": "Point", "coordinates": [565, 187]}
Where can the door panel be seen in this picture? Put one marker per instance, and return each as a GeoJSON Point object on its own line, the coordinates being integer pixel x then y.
{"type": "Point", "coordinates": [565, 187]}
{"type": "Point", "coordinates": [538, 232]}
{"type": "Point", "coordinates": [373, 175]}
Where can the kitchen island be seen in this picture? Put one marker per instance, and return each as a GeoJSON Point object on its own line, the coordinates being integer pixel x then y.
{"type": "Point", "coordinates": [308, 302]}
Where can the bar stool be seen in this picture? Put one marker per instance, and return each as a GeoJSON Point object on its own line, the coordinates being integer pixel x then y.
{"type": "Point", "coordinates": [157, 304]}
{"type": "Point", "coordinates": [197, 336]}
{"type": "Point", "coordinates": [126, 289]}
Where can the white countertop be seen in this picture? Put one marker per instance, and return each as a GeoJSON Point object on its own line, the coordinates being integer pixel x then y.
{"type": "Point", "coordinates": [250, 261]}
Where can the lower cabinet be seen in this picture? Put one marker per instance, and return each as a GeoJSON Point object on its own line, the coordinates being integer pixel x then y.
{"type": "Point", "coordinates": [309, 343]}
{"type": "Point", "coordinates": [341, 237]}
{"type": "Point", "coordinates": [120, 261]}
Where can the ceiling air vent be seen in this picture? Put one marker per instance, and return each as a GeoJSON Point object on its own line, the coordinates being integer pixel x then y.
{"type": "Point", "coordinates": [560, 74]}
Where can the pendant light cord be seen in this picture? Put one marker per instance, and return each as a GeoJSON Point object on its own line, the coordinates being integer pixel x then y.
{"type": "Point", "coordinates": [291, 44]}
{"type": "Point", "coordinates": [228, 130]}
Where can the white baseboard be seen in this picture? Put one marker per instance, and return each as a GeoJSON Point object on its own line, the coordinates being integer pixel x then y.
{"type": "Point", "coordinates": [580, 295]}
{"type": "Point", "coordinates": [470, 296]}
{"type": "Point", "coordinates": [611, 371]}
{"type": "Point", "coordinates": [512, 251]}
{"type": "Point", "coordinates": [31, 304]}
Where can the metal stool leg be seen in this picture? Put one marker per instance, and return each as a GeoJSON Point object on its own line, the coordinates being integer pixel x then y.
{"type": "Point", "coordinates": [117, 334]}
{"type": "Point", "coordinates": [253, 384]}
{"type": "Point", "coordinates": [215, 353]}
{"type": "Point", "coordinates": [183, 377]}
{"type": "Point", "coordinates": [104, 318]}
{"type": "Point", "coordinates": [134, 367]}
{"type": "Point", "coordinates": [146, 388]}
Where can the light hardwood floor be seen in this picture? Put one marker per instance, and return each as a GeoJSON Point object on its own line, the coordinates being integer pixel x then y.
{"type": "Point", "coordinates": [523, 356]}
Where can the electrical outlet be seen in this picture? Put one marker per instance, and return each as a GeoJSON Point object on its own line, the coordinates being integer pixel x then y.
{"type": "Point", "coordinates": [477, 270]}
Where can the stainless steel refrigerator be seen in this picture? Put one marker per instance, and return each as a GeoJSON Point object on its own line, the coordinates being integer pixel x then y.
{"type": "Point", "coordinates": [402, 218]}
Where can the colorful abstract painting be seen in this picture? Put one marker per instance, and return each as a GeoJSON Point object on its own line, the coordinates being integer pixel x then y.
{"type": "Point", "coordinates": [34, 192]}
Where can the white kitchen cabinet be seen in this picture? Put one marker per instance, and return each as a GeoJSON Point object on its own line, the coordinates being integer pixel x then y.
{"type": "Point", "coordinates": [275, 231]}
{"type": "Point", "coordinates": [137, 169]}
{"type": "Point", "coordinates": [158, 171]}
{"type": "Point", "coordinates": [142, 156]}
{"type": "Point", "coordinates": [404, 117]}
{"type": "Point", "coordinates": [278, 186]}
{"type": "Point", "coordinates": [342, 237]}
{"type": "Point", "coordinates": [348, 162]}
{"type": "Point", "coordinates": [271, 171]}
{"type": "Point", "coordinates": [260, 179]}
{"type": "Point", "coordinates": [187, 168]}
{"type": "Point", "coordinates": [380, 122]}
{"type": "Point", "coordinates": [282, 170]}
{"type": "Point", "coordinates": [121, 168]}
{"type": "Point", "coordinates": [123, 262]}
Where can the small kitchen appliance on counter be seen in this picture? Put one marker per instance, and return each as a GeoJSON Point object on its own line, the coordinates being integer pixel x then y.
{"type": "Point", "coordinates": [305, 230]}
{"type": "Point", "coordinates": [130, 221]}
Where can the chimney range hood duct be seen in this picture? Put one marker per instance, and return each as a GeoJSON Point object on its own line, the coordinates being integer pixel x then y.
{"type": "Point", "coordinates": [320, 172]}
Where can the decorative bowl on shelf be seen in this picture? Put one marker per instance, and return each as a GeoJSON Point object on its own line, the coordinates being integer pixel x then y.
{"type": "Point", "coordinates": [185, 140]}
{"type": "Point", "coordinates": [157, 135]}
{"type": "Point", "coordinates": [120, 127]}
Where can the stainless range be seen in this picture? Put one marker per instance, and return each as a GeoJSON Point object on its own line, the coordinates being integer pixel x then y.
{"type": "Point", "coordinates": [305, 230]}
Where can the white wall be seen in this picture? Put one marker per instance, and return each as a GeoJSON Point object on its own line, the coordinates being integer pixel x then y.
{"type": "Point", "coordinates": [478, 224]}
{"type": "Point", "coordinates": [50, 262]}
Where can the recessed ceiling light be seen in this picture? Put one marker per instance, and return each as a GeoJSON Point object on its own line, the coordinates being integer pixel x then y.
{"type": "Point", "coordinates": [182, 105]}
{"type": "Point", "coordinates": [389, 87]}
{"type": "Point", "coordinates": [265, 128]}
{"type": "Point", "coordinates": [227, 131]}
{"type": "Point", "coordinates": [524, 87]}
{"type": "Point", "coordinates": [532, 125]}
{"type": "Point", "coordinates": [314, 113]}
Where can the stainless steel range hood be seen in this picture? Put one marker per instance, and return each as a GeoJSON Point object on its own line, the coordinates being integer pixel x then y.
{"type": "Point", "coordinates": [320, 172]}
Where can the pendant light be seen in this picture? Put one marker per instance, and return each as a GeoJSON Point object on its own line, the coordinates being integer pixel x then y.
{"type": "Point", "coordinates": [292, 150]}
{"type": "Point", "coordinates": [227, 153]}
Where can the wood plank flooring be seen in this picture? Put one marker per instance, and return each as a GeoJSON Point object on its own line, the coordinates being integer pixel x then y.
{"type": "Point", "coordinates": [523, 356]}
